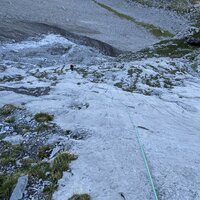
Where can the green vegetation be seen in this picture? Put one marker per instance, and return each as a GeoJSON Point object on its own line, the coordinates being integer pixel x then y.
{"type": "Point", "coordinates": [10, 153]}
{"type": "Point", "coordinates": [7, 109]}
{"type": "Point", "coordinates": [180, 6]}
{"type": "Point", "coordinates": [7, 184]}
{"type": "Point", "coordinates": [44, 151]}
{"type": "Point", "coordinates": [173, 48]}
{"type": "Point", "coordinates": [52, 172]}
{"type": "Point", "coordinates": [60, 164]}
{"type": "Point", "coordinates": [30, 159]}
{"type": "Point", "coordinates": [119, 84]}
{"type": "Point", "coordinates": [43, 127]}
{"type": "Point", "coordinates": [156, 31]}
{"type": "Point", "coordinates": [80, 197]}
{"type": "Point", "coordinates": [82, 71]}
{"type": "Point", "coordinates": [39, 170]}
{"type": "Point", "coordinates": [97, 74]}
{"type": "Point", "coordinates": [32, 166]}
{"type": "Point", "coordinates": [121, 15]}
{"type": "Point", "coordinates": [196, 34]}
{"type": "Point", "coordinates": [10, 120]}
{"type": "Point", "coordinates": [26, 163]}
{"type": "Point", "coordinates": [11, 78]}
{"type": "Point", "coordinates": [43, 117]}
{"type": "Point", "coordinates": [132, 71]}
{"type": "Point", "coordinates": [40, 75]}
{"type": "Point", "coordinates": [21, 128]}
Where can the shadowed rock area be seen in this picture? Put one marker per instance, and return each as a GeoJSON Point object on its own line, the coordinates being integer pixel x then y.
{"type": "Point", "coordinates": [19, 31]}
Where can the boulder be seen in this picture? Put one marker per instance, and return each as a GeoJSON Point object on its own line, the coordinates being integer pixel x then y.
{"type": "Point", "coordinates": [15, 139]}
{"type": "Point", "coordinates": [18, 192]}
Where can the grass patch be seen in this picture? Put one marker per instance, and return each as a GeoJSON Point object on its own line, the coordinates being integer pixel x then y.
{"type": "Point", "coordinates": [43, 127]}
{"type": "Point", "coordinates": [36, 170]}
{"type": "Point", "coordinates": [43, 117]}
{"type": "Point", "coordinates": [82, 71]}
{"type": "Point", "coordinates": [133, 71]}
{"type": "Point", "coordinates": [10, 120]}
{"type": "Point", "coordinates": [196, 34]}
{"type": "Point", "coordinates": [173, 48]}
{"type": "Point", "coordinates": [49, 190]}
{"type": "Point", "coordinates": [80, 197]}
{"type": "Point", "coordinates": [44, 151]}
{"type": "Point", "coordinates": [55, 171]}
{"type": "Point", "coordinates": [21, 128]}
{"type": "Point", "coordinates": [119, 84]}
{"type": "Point", "coordinates": [7, 184]}
{"type": "Point", "coordinates": [60, 164]}
{"type": "Point", "coordinates": [121, 15]}
{"type": "Point", "coordinates": [40, 170]}
{"type": "Point", "coordinates": [180, 6]}
{"type": "Point", "coordinates": [11, 78]}
{"type": "Point", "coordinates": [10, 154]}
{"type": "Point", "coordinates": [156, 31]}
{"type": "Point", "coordinates": [26, 164]}
{"type": "Point", "coordinates": [7, 109]}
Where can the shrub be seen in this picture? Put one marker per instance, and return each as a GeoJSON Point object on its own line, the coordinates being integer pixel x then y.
{"type": "Point", "coordinates": [43, 117]}
{"type": "Point", "coordinates": [80, 197]}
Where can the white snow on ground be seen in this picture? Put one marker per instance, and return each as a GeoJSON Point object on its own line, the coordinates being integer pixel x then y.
{"type": "Point", "coordinates": [109, 161]}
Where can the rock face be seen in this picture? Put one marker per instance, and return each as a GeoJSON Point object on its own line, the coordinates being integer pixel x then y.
{"type": "Point", "coordinates": [20, 188]}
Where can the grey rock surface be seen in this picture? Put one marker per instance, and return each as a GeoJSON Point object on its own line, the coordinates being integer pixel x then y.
{"type": "Point", "coordinates": [89, 19]}
{"type": "Point", "coordinates": [16, 139]}
{"type": "Point", "coordinates": [20, 188]}
{"type": "Point", "coordinates": [54, 152]}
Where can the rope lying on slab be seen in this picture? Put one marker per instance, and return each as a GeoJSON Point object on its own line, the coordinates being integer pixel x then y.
{"type": "Point", "coordinates": [140, 145]}
{"type": "Point", "coordinates": [144, 157]}
{"type": "Point", "coordinates": [142, 153]}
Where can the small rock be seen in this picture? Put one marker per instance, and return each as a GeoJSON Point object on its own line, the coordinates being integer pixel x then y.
{"type": "Point", "coordinates": [19, 188]}
{"type": "Point", "coordinates": [18, 163]}
{"type": "Point", "coordinates": [7, 128]}
{"type": "Point", "coordinates": [193, 41]}
{"type": "Point", "coordinates": [48, 174]}
{"type": "Point", "coordinates": [16, 139]}
{"type": "Point", "coordinates": [54, 152]}
{"type": "Point", "coordinates": [28, 119]}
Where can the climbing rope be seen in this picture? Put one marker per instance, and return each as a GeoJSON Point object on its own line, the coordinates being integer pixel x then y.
{"type": "Point", "coordinates": [144, 157]}
{"type": "Point", "coordinates": [142, 153]}
{"type": "Point", "coordinates": [139, 143]}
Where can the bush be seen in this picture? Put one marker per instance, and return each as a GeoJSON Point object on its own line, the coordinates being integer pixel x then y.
{"type": "Point", "coordinates": [80, 197]}
{"type": "Point", "coordinates": [43, 117]}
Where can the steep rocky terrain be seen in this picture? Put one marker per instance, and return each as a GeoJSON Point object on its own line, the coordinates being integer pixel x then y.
{"type": "Point", "coordinates": [78, 134]}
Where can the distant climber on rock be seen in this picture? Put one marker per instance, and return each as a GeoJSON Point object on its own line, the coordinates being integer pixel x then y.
{"type": "Point", "coordinates": [72, 67]}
